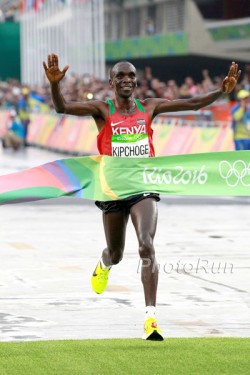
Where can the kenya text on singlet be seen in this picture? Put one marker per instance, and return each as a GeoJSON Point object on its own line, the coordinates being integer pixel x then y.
{"type": "Point", "coordinates": [126, 135]}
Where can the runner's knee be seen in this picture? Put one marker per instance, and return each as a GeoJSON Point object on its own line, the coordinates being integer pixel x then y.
{"type": "Point", "coordinates": [146, 248]}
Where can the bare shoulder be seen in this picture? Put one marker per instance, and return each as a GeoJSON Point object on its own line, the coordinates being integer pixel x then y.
{"type": "Point", "coordinates": [103, 107]}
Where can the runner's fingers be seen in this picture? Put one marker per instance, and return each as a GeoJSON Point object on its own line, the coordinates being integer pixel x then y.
{"type": "Point", "coordinates": [56, 59]}
{"type": "Point", "coordinates": [231, 71]}
{"type": "Point", "coordinates": [236, 69]}
{"type": "Point", "coordinates": [53, 59]}
{"type": "Point", "coordinates": [65, 69]}
{"type": "Point", "coordinates": [49, 61]}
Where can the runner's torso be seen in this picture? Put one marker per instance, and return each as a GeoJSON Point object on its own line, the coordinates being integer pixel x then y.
{"type": "Point", "coordinates": [126, 135]}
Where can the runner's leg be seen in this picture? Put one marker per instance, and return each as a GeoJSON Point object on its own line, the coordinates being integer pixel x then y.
{"type": "Point", "coordinates": [144, 216]}
{"type": "Point", "coordinates": [115, 224]}
{"type": "Point", "coordinates": [115, 229]}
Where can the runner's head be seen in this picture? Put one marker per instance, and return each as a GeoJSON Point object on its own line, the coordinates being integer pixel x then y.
{"type": "Point", "coordinates": [123, 79]}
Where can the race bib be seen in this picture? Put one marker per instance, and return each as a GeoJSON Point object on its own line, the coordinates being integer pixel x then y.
{"type": "Point", "coordinates": [130, 145]}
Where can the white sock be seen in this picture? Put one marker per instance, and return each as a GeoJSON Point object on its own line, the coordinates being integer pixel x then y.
{"type": "Point", "coordinates": [150, 312]}
{"type": "Point", "coordinates": [104, 265]}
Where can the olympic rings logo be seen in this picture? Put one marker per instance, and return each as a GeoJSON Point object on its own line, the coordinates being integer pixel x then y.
{"type": "Point", "coordinates": [238, 173]}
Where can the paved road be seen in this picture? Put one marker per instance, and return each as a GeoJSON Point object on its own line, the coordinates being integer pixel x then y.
{"type": "Point", "coordinates": [49, 249]}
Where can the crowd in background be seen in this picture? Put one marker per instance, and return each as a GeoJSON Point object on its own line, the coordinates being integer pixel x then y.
{"type": "Point", "coordinates": [87, 87]}
{"type": "Point", "coordinates": [23, 100]}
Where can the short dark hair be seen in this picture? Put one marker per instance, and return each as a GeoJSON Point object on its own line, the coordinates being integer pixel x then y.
{"type": "Point", "coordinates": [112, 70]}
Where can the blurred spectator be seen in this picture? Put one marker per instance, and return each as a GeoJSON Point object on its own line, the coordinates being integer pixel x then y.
{"type": "Point", "coordinates": [245, 82]}
{"type": "Point", "coordinates": [14, 136]}
{"type": "Point", "coordinates": [184, 91]}
{"type": "Point", "coordinates": [218, 82]}
{"type": "Point", "coordinates": [172, 90]}
{"type": "Point", "coordinates": [150, 26]}
{"type": "Point", "coordinates": [191, 87]}
{"type": "Point", "coordinates": [159, 88]}
{"type": "Point", "coordinates": [207, 83]}
{"type": "Point", "coordinates": [241, 121]}
{"type": "Point", "coordinates": [24, 109]}
{"type": "Point", "coordinates": [147, 74]}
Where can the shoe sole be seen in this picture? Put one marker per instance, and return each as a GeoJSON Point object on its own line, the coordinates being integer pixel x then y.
{"type": "Point", "coordinates": [154, 336]}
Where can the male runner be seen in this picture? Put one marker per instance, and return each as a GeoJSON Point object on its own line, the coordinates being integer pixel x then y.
{"type": "Point", "coordinates": [124, 126]}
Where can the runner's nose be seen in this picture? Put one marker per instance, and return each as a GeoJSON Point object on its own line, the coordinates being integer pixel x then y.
{"type": "Point", "coordinates": [126, 79]}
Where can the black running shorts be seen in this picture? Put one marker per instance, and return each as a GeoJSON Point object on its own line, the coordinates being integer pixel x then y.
{"type": "Point", "coordinates": [125, 204]}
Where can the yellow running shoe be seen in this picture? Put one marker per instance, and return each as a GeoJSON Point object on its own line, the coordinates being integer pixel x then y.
{"type": "Point", "coordinates": [99, 278]}
{"type": "Point", "coordinates": [152, 331]}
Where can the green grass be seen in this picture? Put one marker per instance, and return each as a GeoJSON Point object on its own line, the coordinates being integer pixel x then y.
{"type": "Point", "coordinates": [201, 356]}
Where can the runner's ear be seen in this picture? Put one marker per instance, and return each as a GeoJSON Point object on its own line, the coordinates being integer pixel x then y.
{"type": "Point", "coordinates": [111, 82]}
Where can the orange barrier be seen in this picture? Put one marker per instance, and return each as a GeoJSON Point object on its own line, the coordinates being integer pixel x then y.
{"type": "Point", "coordinates": [173, 140]}
{"type": "Point", "coordinates": [63, 133]}
{"type": "Point", "coordinates": [205, 131]}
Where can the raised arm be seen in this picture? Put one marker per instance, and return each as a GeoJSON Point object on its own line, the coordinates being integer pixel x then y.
{"type": "Point", "coordinates": [163, 105]}
{"type": "Point", "coordinates": [55, 75]}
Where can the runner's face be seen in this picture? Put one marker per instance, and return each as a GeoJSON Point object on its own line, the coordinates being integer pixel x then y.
{"type": "Point", "coordinates": [124, 80]}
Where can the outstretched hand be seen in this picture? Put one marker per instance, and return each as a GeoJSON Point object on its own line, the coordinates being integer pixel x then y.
{"type": "Point", "coordinates": [52, 71]}
{"type": "Point", "coordinates": [231, 79]}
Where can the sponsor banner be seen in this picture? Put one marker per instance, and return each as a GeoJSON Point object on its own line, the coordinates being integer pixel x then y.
{"type": "Point", "coordinates": [107, 178]}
